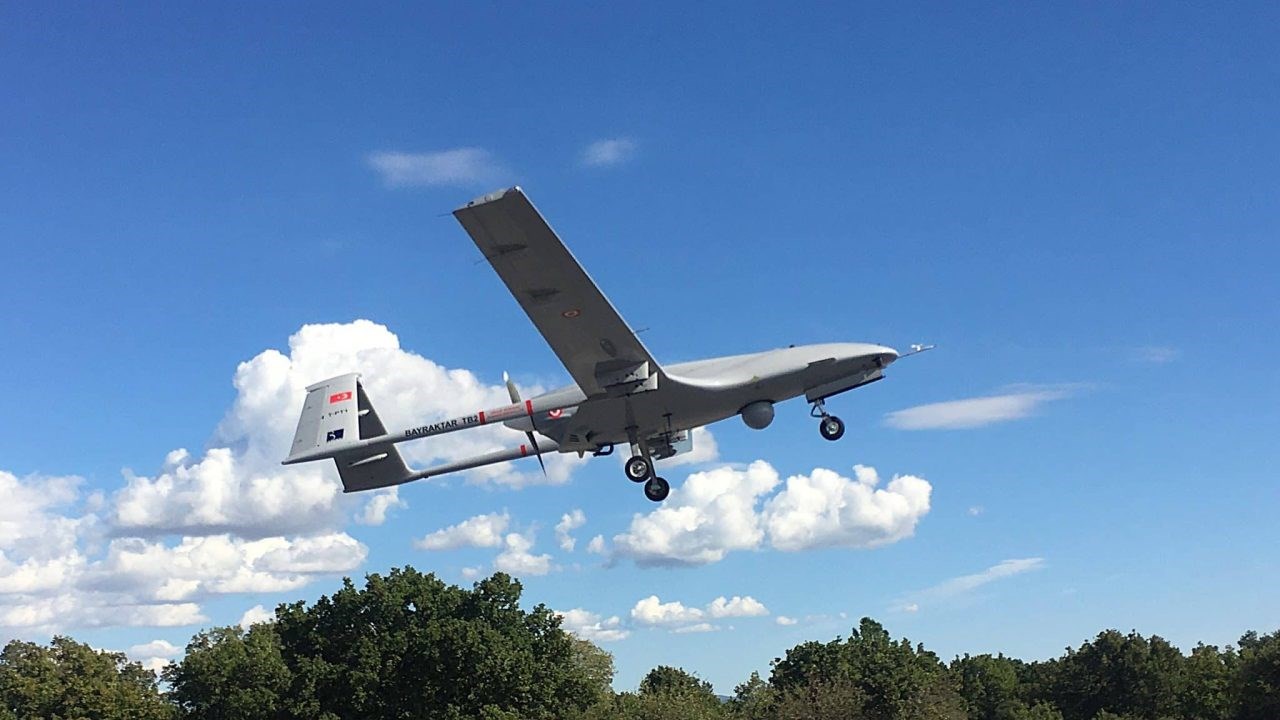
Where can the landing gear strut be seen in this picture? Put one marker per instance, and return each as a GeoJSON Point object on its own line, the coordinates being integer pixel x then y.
{"type": "Point", "coordinates": [639, 468]}
{"type": "Point", "coordinates": [830, 426]}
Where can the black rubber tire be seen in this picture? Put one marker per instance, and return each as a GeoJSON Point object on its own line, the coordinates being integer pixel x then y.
{"type": "Point", "coordinates": [657, 489]}
{"type": "Point", "coordinates": [638, 469]}
{"type": "Point", "coordinates": [831, 428]}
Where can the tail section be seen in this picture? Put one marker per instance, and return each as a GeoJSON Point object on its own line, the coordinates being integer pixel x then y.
{"type": "Point", "coordinates": [336, 415]}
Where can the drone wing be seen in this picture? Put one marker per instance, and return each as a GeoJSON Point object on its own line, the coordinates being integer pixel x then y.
{"type": "Point", "coordinates": [601, 353]}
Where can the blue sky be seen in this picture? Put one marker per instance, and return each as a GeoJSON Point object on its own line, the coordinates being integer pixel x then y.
{"type": "Point", "coordinates": [1077, 203]}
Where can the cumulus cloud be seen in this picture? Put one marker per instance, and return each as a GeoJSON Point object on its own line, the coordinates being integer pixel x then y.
{"type": "Point", "coordinates": [376, 507]}
{"type": "Point", "coordinates": [824, 509]}
{"type": "Point", "coordinates": [458, 167]}
{"type": "Point", "coordinates": [569, 522]}
{"type": "Point", "coordinates": [596, 545]}
{"type": "Point", "coordinates": [254, 615]}
{"type": "Point", "coordinates": [231, 519]}
{"type": "Point", "coordinates": [517, 559]}
{"type": "Point", "coordinates": [677, 617]}
{"type": "Point", "coordinates": [975, 412]}
{"type": "Point", "coordinates": [478, 531]}
{"type": "Point", "coordinates": [612, 151]}
{"type": "Point", "coordinates": [785, 621]}
{"type": "Point", "coordinates": [726, 509]}
{"type": "Point", "coordinates": [590, 626]}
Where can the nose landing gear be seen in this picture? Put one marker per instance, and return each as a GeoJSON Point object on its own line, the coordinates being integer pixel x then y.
{"type": "Point", "coordinates": [830, 426]}
{"type": "Point", "coordinates": [657, 489]}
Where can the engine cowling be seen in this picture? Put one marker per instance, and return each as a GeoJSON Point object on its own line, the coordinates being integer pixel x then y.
{"type": "Point", "coordinates": [758, 414]}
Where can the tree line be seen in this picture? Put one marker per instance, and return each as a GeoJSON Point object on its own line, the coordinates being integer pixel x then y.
{"type": "Point", "coordinates": [408, 645]}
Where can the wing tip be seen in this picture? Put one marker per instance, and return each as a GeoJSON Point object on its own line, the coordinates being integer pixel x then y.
{"type": "Point", "coordinates": [492, 197]}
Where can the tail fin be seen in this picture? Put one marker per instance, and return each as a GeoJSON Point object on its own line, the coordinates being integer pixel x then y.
{"type": "Point", "coordinates": [337, 413]}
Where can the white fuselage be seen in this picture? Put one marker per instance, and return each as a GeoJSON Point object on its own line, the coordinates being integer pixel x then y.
{"type": "Point", "coordinates": [702, 392]}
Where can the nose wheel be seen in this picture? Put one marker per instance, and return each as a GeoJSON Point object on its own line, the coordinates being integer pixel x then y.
{"type": "Point", "coordinates": [830, 426]}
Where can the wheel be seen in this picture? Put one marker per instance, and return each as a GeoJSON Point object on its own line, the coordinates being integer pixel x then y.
{"type": "Point", "coordinates": [638, 469]}
{"type": "Point", "coordinates": [657, 489]}
{"type": "Point", "coordinates": [831, 427]}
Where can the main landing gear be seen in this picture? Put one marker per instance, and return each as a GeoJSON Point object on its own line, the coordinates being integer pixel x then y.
{"type": "Point", "coordinates": [830, 426]}
{"type": "Point", "coordinates": [639, 468]}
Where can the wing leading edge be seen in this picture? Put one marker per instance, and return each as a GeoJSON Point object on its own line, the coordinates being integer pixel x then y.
{"type": "Point", "coordinates": [596, 346]}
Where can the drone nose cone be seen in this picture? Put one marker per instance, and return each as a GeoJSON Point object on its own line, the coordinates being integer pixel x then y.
{"type": "Point", "coordinates": [886, 354]}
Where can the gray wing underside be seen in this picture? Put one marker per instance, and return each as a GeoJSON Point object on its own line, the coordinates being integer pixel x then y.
{"type": "Point", "coordinates": [582, 327]}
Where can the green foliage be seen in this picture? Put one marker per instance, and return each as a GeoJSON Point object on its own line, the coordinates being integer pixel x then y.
{"type": "Point", "coordinates": [72, 681]}
{"type": "Point", "coordinates": [410, 646]}
{"type": "Point", "coordinates": [1257, 682]}
{"type": "Point", "coordinates": [229, 673]}
{"type": "Point", "coordinates": [898, 681]}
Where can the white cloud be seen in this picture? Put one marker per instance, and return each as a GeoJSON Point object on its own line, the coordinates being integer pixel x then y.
{"type": "Point", "coordinates": [478, 531]}
{"type": "Point", "coordinates": [965, 584]}
{"type": "Point", "coordinates": [712, 514]}
{"type": "Point", "coordinates": [256, 614]}
{"type": "Point", "coordinates": [569, 522]}
{"type": "Point", "coordinates": [784, 620]}
{"type": "Point", "coordinates": [736, 607]}
{"type": "Point", "coordinates": [677, 617]}
{"type": "Point", "coordinates": [590, 626]}
{"type": "Point", "coordinates": [375, 509]}
{"type": "Point", "coordinates": [726, 509]}
{"type": "Point", "coordinates": [596, 545]}
{"type": "Point", "coordinates": [604, 153]}
{"type": "Point", "coordinates": [516, 558]}
{"type": "Point", "coordinates": [974, 412]}
{"type": "Point", "coordinates": [824, 509]}
{"type": "Point", "coordinates": [696, 628]}
{"type": "Point", "coordinates": [200, 566]}
{"type": "Point", "coordinates": [471, 573]}
{"type": "Point", "coordinates": [976, 510]}
{"type": "Point", "coordinates": [459, 167]}
{"type": "Point", "coordinates": [155, 648]}
{"type": "Point", "coordinates": [231, 519]}
{"type": "Point", "coordinates": [653, 612]}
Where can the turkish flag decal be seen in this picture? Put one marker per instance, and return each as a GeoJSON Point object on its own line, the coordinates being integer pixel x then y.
{"type": "Point", "coordinates": [339, 397]}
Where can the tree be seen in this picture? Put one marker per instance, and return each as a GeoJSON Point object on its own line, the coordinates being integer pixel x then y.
{"type": "Point", "coordinates": [1257, 684]}
{"type": "Point", "coordinates": [230, 673]}
{"type": "Point", "coordinates": [898, 681]}
{"type": "Point", "coordinates": [1121, 674]}
{"type": "Point", "coordinates": [989, 686]}
{"type": "Point", "coordinates": [68, 679]}
{"type": "Point", "coordinates": [408, 645]}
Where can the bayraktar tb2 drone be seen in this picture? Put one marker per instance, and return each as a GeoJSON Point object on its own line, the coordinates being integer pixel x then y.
{"type": "Point", "coordinates": [620, 393]}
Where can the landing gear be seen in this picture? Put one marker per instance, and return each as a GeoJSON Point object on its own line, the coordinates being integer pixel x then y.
{"type": "Point", "coordinates": [830, 426]}
{"type": "Point", "coordinates": [638, 468]}
{"type": "Point", "coordinates": [657, 489]}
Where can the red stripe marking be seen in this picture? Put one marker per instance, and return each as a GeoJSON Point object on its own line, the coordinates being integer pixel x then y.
{"type": "Point", "coordinates": [481, 417]}
{"type": "Point", "coordinates": [528, 406]}
{"type": "Point", "coordinates": [523, 452]}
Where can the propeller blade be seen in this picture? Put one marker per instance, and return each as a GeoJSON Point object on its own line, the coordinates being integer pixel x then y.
{"type": "Point", "coordinates": [511, 388]}
{"type": "Point", "coordinates": [534, 442]}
